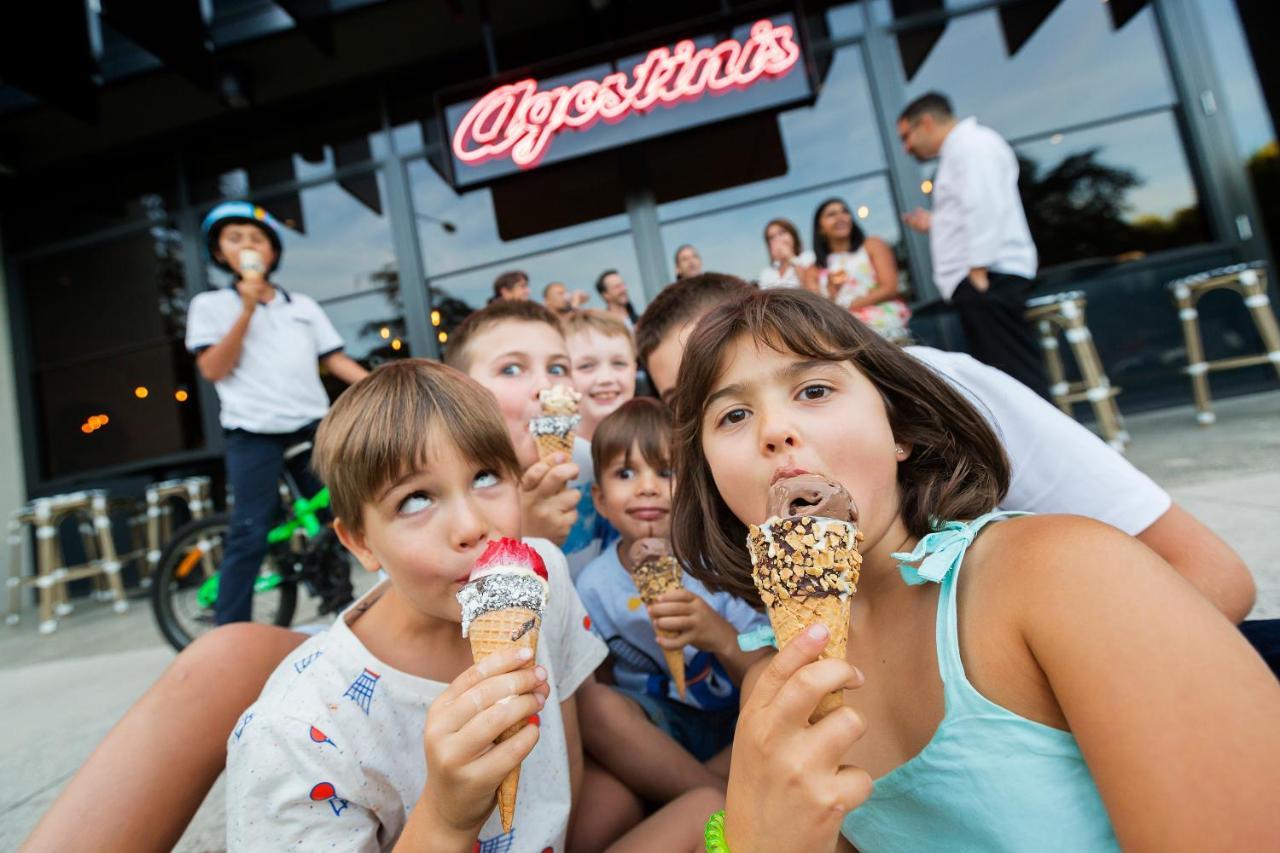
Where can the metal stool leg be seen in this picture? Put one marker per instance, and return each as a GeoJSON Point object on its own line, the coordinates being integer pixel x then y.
{"type": "Point", "coordinates": [154, 543]}
{"type": "Point", "coordinates": [1259, 305]}
{"type": "Point", "coordinates": [47, 564]}
{"type": "Point", "coordinates": [1058, 385]}
{"type": "Point", "coordinates": [1197, 366]}
{"type": "Point", "coordinates": [107, 548]}
{"type": "Point", "coordinates": [14, 582]}
{"type": "Point", "coordinates": [1097, 386]}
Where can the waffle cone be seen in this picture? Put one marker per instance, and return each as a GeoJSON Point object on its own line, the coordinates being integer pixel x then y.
{"type": "Point", "coordinates": [792, 616]}
{"type": "Point", "coordinates": [550, 444]}
{"type": "Point", "coordinates": [657, 581]}
{"type": "Point", "coordinates": [490, 633]}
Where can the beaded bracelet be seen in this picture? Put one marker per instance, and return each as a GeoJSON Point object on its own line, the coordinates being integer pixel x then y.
{"type": "Point", "coordinates": [713, 835]}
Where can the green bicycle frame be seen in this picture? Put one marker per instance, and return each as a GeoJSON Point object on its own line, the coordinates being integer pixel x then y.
{"type": "Point", "coordinates": [305, 516]}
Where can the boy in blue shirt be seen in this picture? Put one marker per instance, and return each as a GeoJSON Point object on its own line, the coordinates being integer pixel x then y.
{"type": "Point", "coordinates": [640, 728]}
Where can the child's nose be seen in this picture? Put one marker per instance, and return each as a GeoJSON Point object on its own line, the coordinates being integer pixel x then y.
{"type": "Point", "coordinates": [777, 435]}
{"type": "Point", "coordinates": [469, 528]}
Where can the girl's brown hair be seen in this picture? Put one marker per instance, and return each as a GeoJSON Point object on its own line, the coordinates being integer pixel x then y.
{"type": "Point", "coordinates": [797, 245]}
{"type": "Point", "coordinates": [957, 468]}
{"type": "Point", "coordinates": [388, 423]}
{"type": "Point", "coordinates": [641, 422]}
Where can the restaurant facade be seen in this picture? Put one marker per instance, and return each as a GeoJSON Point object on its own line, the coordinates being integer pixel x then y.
{"type": "Point", "coordinates": [415, 150]}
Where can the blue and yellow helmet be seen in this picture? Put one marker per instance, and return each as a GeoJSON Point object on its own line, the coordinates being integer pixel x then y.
{"type": "Point", "coordinates": [234, 212]}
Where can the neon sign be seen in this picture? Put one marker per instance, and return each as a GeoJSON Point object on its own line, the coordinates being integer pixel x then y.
{"type": "Point", "coordinates": [519, 122]}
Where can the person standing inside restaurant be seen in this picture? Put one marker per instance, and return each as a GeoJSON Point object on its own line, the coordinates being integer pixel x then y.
{"type": "Point", "coordinates": [613, 290]}
{"type": "Point", "coordinates": [983, 257]}
{"type": "Point", "coordinates": [258, 344]}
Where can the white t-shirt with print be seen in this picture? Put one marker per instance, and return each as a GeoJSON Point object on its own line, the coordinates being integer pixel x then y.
{"type": "Point", "coordinates": [621, 619]}
{"type": "Point", "coordinates": [330, 757]}
{"type": "Point", "coordinates": [1056, 464]}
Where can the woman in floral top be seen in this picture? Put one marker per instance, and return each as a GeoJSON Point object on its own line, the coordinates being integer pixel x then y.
{"type": "Point", "coordinates": [858, 272]}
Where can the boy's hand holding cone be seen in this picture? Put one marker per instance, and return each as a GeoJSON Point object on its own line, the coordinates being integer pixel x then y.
{"type": "Point", "coordinates": [502, 604]}
{"type": "Point", "coordinates": [805, 563]}
{"type": "Point", "coordinates": [655, 572]}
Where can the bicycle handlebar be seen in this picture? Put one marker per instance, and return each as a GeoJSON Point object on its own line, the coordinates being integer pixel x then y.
{"type": "Point", "coordinates": [304, 516]}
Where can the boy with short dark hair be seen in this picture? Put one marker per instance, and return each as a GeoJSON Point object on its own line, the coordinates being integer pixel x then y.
{"type": "Point", "coordinates": [642, 729]}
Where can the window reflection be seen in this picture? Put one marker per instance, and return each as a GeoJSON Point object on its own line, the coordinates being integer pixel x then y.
{"type": "Point", "coordinates": [732, 241]}
{"type": "Point", "coordinates": [337, 238]}
{"type": "Point", "coordinates": [372, 325]}
{"type": "Point", "coordinates": [1075, 67]}
{"type": "Point", "coordinates": [460, 230]}
{"type": "Point", "coordinates": [577, 267]}
{"type": "Point", "coordinates": [1116, 191]}
{"type": "Point", "coordinates": [836, 137]}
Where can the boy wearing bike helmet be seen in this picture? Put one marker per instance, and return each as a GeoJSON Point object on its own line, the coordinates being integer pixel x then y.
{"type": "Point", "coordinates": [258, 344]}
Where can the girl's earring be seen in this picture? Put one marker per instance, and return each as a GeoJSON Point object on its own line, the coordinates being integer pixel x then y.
{"type": "Point", "coordinates": [897, 449]}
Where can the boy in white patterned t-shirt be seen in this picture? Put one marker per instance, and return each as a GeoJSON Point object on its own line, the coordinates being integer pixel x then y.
{"type": "Point", "coordinates": [380, 732]}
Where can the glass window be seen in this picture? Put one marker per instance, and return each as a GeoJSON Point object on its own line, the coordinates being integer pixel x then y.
{"type": "Point", "coordinates": [76, 203]}
{"type": "Point", "coordinates": [1074, 68]}
{"type": "Point", "coordinates": [461, 230]}
{"type": "Point", "coordinates": [337, 238]}
{"type": "Point", "coordinates": [372, 325]}
{"type": "Point", "coordinates": [732, 241]}
{"type": "Point", "coordinates": [578, 266]}
{"type": "Point", "coordinates": [1120, 190]}
{"type": "Point", "coordinates": [836, 137]}
{"type": "Point", "coordinates": [105, 324]}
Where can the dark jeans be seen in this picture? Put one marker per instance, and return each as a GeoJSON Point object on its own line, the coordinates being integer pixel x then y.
{"type": "Point", "coordinates": [254, 464]}
{"type": "Point", "coordinates": [1264, 635]}
{"type": "Point", "coordinates": [996, 331]}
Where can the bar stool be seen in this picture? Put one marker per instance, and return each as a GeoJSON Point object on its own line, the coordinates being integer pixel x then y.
{"type": "Point", "coordinates": [52, 573]}
{"type": "Point", "coordinates": [1249, 280]}
{"type": "Point", "coordinates": [1065, 312]}
{"type": "Point", "coordinates": [195, 492]}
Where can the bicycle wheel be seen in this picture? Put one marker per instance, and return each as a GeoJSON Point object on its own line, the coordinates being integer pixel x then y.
{"type": "Point", "coordinates": [185, 585]}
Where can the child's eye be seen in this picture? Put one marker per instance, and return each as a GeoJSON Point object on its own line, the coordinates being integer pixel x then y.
{"type": "Point", "coordinates": [511, 370]}
{"type": "Point", "coordinates": [625, 474]}
{"type": "Point", "coordinates": [667, 473]}
{"type": "Point", "coordinates": [733, 416]}
{"type": "Point", "coordinates": [583, 366]}
{"type": "Point", "coordinates": [486, 479]}
{"type": "Point", "coordinates": [558, 370]}
{"type": "Point", "coordinates": [621, 363]}
{"type": "Point", "coordinates": [815, 392]}
{"type": "Point", "coordinates": [415, 503]}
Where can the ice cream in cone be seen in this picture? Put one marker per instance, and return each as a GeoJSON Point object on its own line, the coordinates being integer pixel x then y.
{"type": "Point", "coordinates": [502, 604]}
{"type": "Point", "coordinates": [654, 572]}
{"type": "Point", "coordinates": [805, 563]}
{"type": "Point", "coordinates": [554, 430]}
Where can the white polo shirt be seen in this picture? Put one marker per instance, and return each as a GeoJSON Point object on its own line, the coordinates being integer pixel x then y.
{"type": "Point", "coordinates": [978, 220]}
{"type": "Point", "coordinates": [1056, 464]}
{"type": "Point", "coordinates": [275, 386]}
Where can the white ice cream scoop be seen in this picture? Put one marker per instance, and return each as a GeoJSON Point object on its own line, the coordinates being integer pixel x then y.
{"type": "Point", "coordinates": [251, 261]}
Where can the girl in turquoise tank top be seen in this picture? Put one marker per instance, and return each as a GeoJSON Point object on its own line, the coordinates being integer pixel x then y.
{"type": "Point", "coordinates": [1037, 683]}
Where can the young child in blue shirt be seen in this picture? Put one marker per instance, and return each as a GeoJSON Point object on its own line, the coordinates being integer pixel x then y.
{"type": "Point", "coordinates": [638, 726]}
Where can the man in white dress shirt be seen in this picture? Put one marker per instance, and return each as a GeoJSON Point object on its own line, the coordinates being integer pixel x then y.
{"type": "Point", "coordinates": [983, 257]}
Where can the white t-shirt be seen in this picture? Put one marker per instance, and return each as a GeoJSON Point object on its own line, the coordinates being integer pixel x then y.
{"type": "Point", "coordinates": [978, 220]}
{"type": "Point", "coordinates": [330, 757]}
{"type": "Point", "coordinates": [620, 617]}
{"type": "Point", "coordinates": [275, 386]}
{"type": "Point", "coordinates": [771, 277]}
{"type": "Point", "coordinates": [1057, 465]}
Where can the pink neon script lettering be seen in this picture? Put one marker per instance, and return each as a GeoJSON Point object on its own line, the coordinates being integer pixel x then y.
{"type": "Point", "coordinates": [519, 121]}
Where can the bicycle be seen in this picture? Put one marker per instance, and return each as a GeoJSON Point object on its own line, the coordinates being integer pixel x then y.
{"type": "Point", "coordinates": [301, 550]}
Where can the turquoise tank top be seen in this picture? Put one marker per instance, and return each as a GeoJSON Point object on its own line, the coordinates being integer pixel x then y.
{"type": "Point", "coordinates": [988, 780]}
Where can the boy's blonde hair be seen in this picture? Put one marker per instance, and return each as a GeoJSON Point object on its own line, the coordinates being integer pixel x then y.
{"type": "Point", "coordinates": [390, 422]}
{"type": "Point", "coordinates": [597, 321]}
{"type": "Point", "coordinates": [456, 352]}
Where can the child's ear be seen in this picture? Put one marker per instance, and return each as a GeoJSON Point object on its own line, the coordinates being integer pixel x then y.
{"type": "Point", "coordinates": [597, 499]}
{"type": "Point", "coordinates": [357, 545]}
{"type": "Point", "coordinates": [902, 450]}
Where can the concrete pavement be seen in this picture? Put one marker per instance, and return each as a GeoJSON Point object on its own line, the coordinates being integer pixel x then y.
{"type": "Point", "coordinates": [62, 693]}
